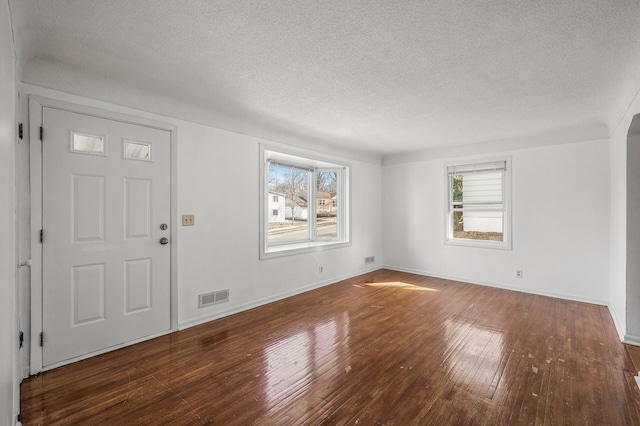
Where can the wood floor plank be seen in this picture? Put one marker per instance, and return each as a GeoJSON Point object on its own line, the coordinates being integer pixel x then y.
{"type": "Point", "coordinates": [387, 347]}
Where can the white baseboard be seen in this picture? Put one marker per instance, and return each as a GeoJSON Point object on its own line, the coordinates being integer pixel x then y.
{"type": "Point", "coordinates": [105, 350]}
{"type": "Point", "coordinates": [254, 304]}
{"type": "Point", "coordinates": [505, 287]}
{"type": "Point", "coordinates": [631, 340]}
{"type": "Point", "coordinates": [616, 323]}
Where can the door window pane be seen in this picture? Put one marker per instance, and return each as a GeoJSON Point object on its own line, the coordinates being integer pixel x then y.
{"type": "Point", "coordinates": [88, 144]}
{"type": "Point", "coordinates": [137, 150]}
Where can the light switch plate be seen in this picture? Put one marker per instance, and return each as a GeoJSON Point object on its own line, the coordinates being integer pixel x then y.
{"type": "Point", "coordinates": [188, 220]}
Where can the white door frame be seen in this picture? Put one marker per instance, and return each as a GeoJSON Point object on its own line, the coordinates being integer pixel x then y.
{"type": "Point", "coordinates": [36, 104]}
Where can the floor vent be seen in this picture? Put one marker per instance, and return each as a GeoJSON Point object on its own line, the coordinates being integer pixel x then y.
{"type": "Point", "coordinates": [369, 259]}
{"type": "Point", "coordinates": [213, 298]}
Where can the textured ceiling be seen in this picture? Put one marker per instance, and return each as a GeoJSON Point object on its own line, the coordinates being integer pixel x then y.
{"type": "Point", "coordinates": [383, 77]}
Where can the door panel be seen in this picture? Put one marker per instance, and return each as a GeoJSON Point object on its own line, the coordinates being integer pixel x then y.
{"type": "Point", "coordinates": [88, 208]}
{"type": "Point", "coordinates": [88, 294]}
{"type": "Point", "coordinates": [138, 208]}
{"type": "Point", "coordinates": [106, 191]}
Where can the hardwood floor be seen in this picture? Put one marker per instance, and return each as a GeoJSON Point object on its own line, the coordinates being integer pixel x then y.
{"type": "Point", "coordinates": [634, 354]}
{"type": "Point", "coordinates": [385, 348]}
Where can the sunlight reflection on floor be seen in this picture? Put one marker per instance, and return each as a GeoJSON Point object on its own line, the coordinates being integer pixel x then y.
{"type": "Point", "coordinates": [474, 356]}
{"type": "Point", "coordinates": [294, 361]}
{"type": "Point", "coordinates": [396, 284]}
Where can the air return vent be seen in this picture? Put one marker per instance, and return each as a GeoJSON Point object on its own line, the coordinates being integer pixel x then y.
{"type": "Point", "coordinates": [213, 298]}
{"type": "Point", "coordinates": [369, 259]}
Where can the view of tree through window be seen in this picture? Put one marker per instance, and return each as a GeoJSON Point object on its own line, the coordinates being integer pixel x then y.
{"type": "Point", "coordinates": [326, 206]}
{"type": "Point", "coordinates": [289, 190]}
{"type": "Point", "coordinates": [290, 193]}
{"type": "Point", "coordinates": [304, 202]}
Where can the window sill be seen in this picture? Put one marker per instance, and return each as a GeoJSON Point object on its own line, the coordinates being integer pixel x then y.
{"type": "Point", "coordinates": [297, 248]}
{"type": "Point", "coordinates": [500, 245]}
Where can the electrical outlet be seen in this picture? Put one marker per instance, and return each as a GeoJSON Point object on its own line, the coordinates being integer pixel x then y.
{"type": "Point", "coordinates": [188, 220]}
{"type": "Point", "coordinates": [320, 269]}
{"type": "Point", "coordinates": [518, 273]}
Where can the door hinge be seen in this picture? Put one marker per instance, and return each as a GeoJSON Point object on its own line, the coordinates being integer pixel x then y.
{"type": "Point", "coordinates": [21, 338]}
{"type": "Point", "coordinates": [41, 133]}
{"type": "Point", "coordinates": [42, 339]}
{"type": "Point", "coordinates": [41, 236]}
{"type": "Point", "coordinates": [20, 131]}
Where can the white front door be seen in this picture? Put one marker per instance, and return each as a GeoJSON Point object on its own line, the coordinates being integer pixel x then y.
{"type": "Point", "coordinates": [106, 212]}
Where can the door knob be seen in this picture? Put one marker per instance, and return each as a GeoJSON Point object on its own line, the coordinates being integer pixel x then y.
{"type": "Point", "coordinates": [164, 240]}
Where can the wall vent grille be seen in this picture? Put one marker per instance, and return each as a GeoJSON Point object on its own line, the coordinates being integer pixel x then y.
{"type": "Point", "coordinates": [213, 298]}
{"type": "Point", "coordinates": [369, 259]}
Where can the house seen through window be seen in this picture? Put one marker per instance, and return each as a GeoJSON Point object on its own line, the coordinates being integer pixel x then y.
{"type": "Point", "coordinates": [303, 192]}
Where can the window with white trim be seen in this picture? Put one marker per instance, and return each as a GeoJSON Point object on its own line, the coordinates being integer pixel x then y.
{"type": "Point", "coordinates": [304, 183]}
{"type": "Point", "coordinates": [478, 203]}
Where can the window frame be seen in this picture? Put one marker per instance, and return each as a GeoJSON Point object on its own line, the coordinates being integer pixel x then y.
{"type": "Point", "coordinates": [315, 164]}
{"type": "Point", "coordinates": [506, 243]}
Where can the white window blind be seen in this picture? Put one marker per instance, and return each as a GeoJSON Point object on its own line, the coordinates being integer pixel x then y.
{"type": "Point", "coordinates": [290, 166]}
{"type": "Point", "coordinates": [478, 203]}
{"type": "Point", "coordinates": [476, 168]}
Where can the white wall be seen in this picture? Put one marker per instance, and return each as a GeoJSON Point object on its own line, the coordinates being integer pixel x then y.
{"type": "Point", "coordinates": [8, 305]}
{"type": "Point", "coordinates": [619, 162]}
{"type": "Point", "coordinates": [633, 233]}
{"type": "Point", "coordinates": [560, 205]}
{"type": "Point", "coordinates": [222, 249]}
{"type": "Point", "coordinates": [618, 228]}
